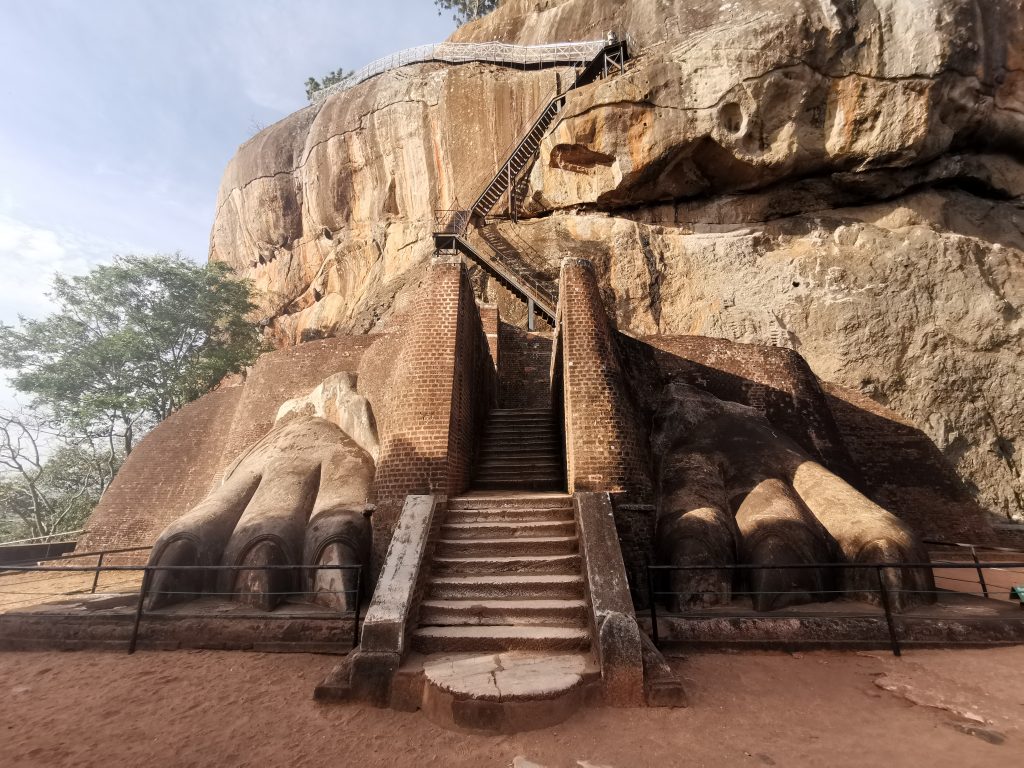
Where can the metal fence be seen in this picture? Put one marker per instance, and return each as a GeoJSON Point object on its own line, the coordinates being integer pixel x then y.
{"type": "Point", "coordinates": [49, 538]}
{"type": "Point", "coordinates": [53, 574]}
{"type": "Point", "coordinates": [657, 576]}
{"type": "Point", "coordinates": [525, 56]}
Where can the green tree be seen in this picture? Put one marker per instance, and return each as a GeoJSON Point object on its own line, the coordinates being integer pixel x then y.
{"type": "Point", "coordinates": [130, 343]}
{"type": "Point", "coordinates": [466, 10]}
{"type": "Point", "coordinates": [313, 85]}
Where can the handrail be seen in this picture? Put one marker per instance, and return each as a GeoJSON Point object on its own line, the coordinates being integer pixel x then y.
{"type": "Point", "coordinates": [47, 539]}
{"type": "Point", "coordinates": [513, 147]}
{"type": "Point", "coordinates": [940, 543]}
{"type": "Point", "coordinates": [551, 54]}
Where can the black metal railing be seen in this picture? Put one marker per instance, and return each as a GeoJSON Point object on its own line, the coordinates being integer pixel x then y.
{"type": "Point", "coordinates": [883, 591]}
{"type": "Point", "coordinates": [51, 572]}
{"type": "Point", "coordinates": [451, 221]}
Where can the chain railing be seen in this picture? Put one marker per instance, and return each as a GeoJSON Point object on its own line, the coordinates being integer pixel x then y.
{"type": "Point", "coordinates": [884, 592]}
{"type": "Point", "coordinates": [526, 56]}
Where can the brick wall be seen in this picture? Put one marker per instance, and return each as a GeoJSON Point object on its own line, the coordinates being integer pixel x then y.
{"type": "Point", "coordinates": [441, 392]}
{"type": "Point", "coordinates": [905, 472]}
{"type": "Point", "coordinates": [524, 368]}
{"type": "Point", "coordinates": [775, 380]}
{"type": "Point", "coordinates": [177, 464]}
{"type": "Point", "coordinates": [491, 321]}
{"type": "Point", "coordinates": [606, 445]}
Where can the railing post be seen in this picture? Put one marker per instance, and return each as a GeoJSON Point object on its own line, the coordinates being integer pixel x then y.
{"type": "Point", "coordinates": [981, 575]}
{"type": "Point", "coordinates": [531, 323]}
{"type": "Point", "coordinates": [96, 578]}
{"type": "Point", "coordinates": [355, 617]}
{"type": "Point", "coordinates": [884, 592]}
{"type": "Point", "coordinates": [654, 609]}
{"type": "Point", "coordinates": [508, 178]}
{"type": "Point", "coordinates": [138, 610]}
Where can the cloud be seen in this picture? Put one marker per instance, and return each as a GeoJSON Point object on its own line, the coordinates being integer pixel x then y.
{"type": "Point", "coordinates": [30, 256]}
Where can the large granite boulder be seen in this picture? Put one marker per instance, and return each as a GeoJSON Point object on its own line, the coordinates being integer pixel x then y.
{"type": "Point", "coordinates": [843, 178]}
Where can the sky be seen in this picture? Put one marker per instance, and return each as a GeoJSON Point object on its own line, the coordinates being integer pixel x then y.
{"type": "Point", "coordinates": [117, 117]}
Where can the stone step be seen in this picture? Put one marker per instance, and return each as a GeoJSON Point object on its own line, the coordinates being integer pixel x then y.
{"type": "Point", "coordinates": [520, 484]}
{"type": "Point", "coordinates": [543, 420]}
{"type": "Point", "coordinates": [546, 545]}
{"type": "Point", "coordinates": [500, 638]}
{"type": "Point", "coordinates": [497, 461]}
{"type": "Point", "coordinates": [505, 587]}
{"type": "Point", "coordinates": [522, 501]}
{"type": "Point", "coordinates": [508, 530]}
{"type": "Point", "coordinates": [500, 466]}
{"type": "Point", "coordinates": [512, 471]}
{"type": "Point", "coordinates": [499, 412]}
{"type": "Point", "coordinates": [512, 457]}
{"type": "Point", "coordinates": [561, 565]}
{"type": "Point", "coordinates": [521, 446]}
{"type": "Point", "coordinates": [511, 515]}
{"type": "Point", "coordinates": [503, 612]}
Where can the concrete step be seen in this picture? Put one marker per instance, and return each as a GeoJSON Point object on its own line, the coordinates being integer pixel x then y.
{"type": "Point", "coordinates": [561, 565]}
{"type": "Point", "coordinates": [508, 530]}
{"type": "Point", "coordinates": [489, 638]}
{"type": "Point", "coordinates": [547, 545]}
{"type": "Point", "coordinates": [505, 587]}
{"type": "Point", "coordinates": [500, 461]}
{"type": "Point", "coordinates": [503, 612]}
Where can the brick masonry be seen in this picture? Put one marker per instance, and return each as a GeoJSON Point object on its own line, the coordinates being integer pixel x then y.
{"type": "Point", "coordinates": [606, 445]}
{"type": "Point", "coordinates": [177, 464]}
{"type": "Point", "coordinates": [524, 368]}
{"type": "Point", "coordinates": [441, 393]}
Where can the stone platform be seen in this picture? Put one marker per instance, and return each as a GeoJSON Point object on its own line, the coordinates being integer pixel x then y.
{"type": "Point", "coordinates": [957, 620]}
{"type": "Point", "coordinates": [105, 621]}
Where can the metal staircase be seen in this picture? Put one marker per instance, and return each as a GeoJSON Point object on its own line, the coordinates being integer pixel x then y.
{"type": "Point", "coordinates": [499, 257]}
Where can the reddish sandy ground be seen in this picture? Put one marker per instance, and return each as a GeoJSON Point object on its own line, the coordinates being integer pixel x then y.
{"type": "Point", "coordinates": [932, 708]}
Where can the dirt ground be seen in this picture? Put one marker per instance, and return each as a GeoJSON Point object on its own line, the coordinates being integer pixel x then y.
{"type": "Point", "coordinates": [931, 708]}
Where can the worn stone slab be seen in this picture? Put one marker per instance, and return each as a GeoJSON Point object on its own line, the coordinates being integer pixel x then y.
{"type": "Point", "coordinates": [509, 676]}
{"type": "Point", "coordinates": [384, 628]}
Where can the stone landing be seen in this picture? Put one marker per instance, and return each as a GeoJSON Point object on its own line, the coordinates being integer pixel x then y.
{"type": "Point", "coordinates": [506, 692]}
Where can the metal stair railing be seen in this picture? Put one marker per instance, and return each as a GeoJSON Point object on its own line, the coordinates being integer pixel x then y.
{"type": "Point", "coordinates": [506, 262]}
{"type": "Point", "coordinates": [522, 150]}
{"type": "Point", "coordinates": [506, 54]}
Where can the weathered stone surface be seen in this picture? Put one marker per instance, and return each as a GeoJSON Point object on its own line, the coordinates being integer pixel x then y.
{"type": "Point", "coordinates": [399, 587]}
{"type": "Point", "coordinates": [712, 184]}
{"type": "Point", "coordinates": [807, 510]}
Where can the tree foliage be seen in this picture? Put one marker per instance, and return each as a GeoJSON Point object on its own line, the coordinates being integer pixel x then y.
{"type": "Point", "coordinates": [466, 10]}
{"type": "Point", "coordinates": [49, 481]}
{"type": "Point", "coordinates": [130, 343]}
{"type": "Point", "coordinates": [313, 85]}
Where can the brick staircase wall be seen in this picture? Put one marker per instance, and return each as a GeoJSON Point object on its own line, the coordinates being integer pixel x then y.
{"type": "Point", "coordinates": [438, 399]}
{"type": "Point", "coordinates": [524, 369]}
{"type": "Point", "coordinates": [606, 444]}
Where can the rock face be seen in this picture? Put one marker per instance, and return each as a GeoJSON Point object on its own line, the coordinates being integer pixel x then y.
{"type": "Point", "coordinates": [839, 177]}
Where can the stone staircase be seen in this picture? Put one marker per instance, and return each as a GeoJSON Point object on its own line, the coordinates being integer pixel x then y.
{"type": "Point", "coordinates": [521, 451]}
{"type": "Point", "coordinates": [505, 576]}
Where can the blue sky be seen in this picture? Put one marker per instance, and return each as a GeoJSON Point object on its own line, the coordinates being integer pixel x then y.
{"type": "Point", "coordinates": [119, 116]}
